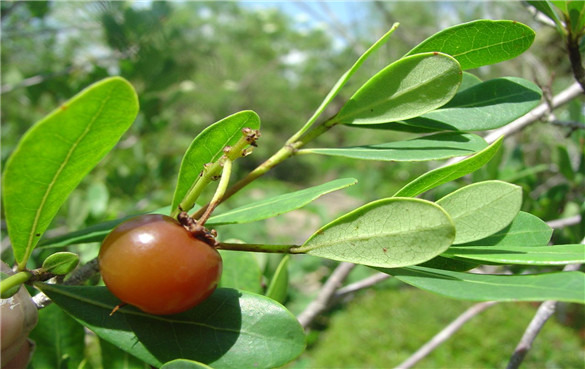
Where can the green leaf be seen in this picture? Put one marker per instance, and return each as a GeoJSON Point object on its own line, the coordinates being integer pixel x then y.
{"type": "Point", "coordinates": [468, 80]}
{"type": "Point", "coordinates": [448, 263]}
{"type": "Point", "coordinates": [343, 80]}
{"type": "Point", "coordinates": [224, 331]}
{"type": "Point", "coordinates": [386, 233]}
{"type": "Point", "coordinates": [240, 271]}
{"type": "Point", "coordinates": [93, 233]}
{"type": "Point", "coordinates": [522, 255]}
{"type": "Point", "coordinates": [97, 199]}
{"type": "Point", "coordinates": [488, 105]}
{"type": "Point", "coordinates": [559, 286]}
{"type": "Point", "coordinates": [449, 173]}
{"type": "Point", "coordinates": [434, 147]}
{"type": "Point", "coordinates": [480, 42]}
{"type": "Point", "coordinates": [208, 146]}
{"type": "Point", "coordinates": [56, 153]}
{"type": "Point", "coordinates": [564, 162]}
{"type": "Point", "coordinates": [184, 364]}
{"type": "Point", "coordinates": [547, 8]}
{"type": "Point", "coordinates": [59, 340]}
{"type": "Point", "coordinates": [279, 204]}
{"type": "Point", "coordinates": [525, 230]}
{"type": "Point", "coordinates": [407, 88]}
{"type": "Point", "coordinates": [61, 263]}
{"type": "Point", "coordinates": [574, 13]}
{"type": "Point", "coordinates": [482, 209]}
{"type": "Point", "coordinates": [278, 287]}
{"type": "Point", "coordinates": [576, 10]}
{"type": "Point", "coordinates": [113, 357]}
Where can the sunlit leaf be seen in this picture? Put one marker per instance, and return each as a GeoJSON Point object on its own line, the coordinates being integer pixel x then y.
{"type": "Point", "coordinates": [277, 205]}
{"type": "Point", "coordinates": [93, 233]}
{"type": "Point", "coordinates": [480, 42]}
{"type": "Point", "coordinates": [278, 286]}
{"type": "Point", "coordinates": [488, 105]}
{"type": "Point", "coordinates": [442, 175]}
{"type": "Point", "coordinates": [345, 77]}
{"type": "Point", "coordinates": [525, 230]}
{"type": "Point", "coordinates": [468, 80]}
{"type": "Point", "coordinates": [56, 153]}
{"type": "Point", "coordinates": [208, 146]}
{"type": "Point", "coordinates": [482, 208]}
{"type": "Point", "coordinates": [433, 147]}
{"type": "Point", "coordinates": [559, 286]}
{"type": "Point", "coordinates": [219, 332]}
{"type": "Point", "coordinates": [61, 263]}
{"type": "Point", "coordinates": [405, 89]}
{"type": "Point", "coordinates": [522, 255]}
{"type": "Point", "coordinates": [387, 233]}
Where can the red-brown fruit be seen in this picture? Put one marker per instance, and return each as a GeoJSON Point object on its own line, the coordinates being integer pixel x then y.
{"type": "Point", "coordinates": [155, 264]}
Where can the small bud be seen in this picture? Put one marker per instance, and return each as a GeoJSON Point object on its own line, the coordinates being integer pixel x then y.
{"type": "Point", "coordinates": [61, 263]}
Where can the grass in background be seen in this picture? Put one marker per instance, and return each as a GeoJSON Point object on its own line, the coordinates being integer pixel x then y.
{"type": "Point", "coordinates": [382, 328]}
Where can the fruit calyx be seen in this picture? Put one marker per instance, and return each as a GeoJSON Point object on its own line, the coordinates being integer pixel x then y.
{"type": "Point", "coordinates": [198, 231]}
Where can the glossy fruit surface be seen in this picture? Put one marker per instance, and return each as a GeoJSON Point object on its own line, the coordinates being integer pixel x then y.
{"type": "Point", "coordinates": [155, 264]}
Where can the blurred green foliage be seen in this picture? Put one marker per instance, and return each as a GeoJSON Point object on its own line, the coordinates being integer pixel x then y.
{"type": "Point", "coordinates": [194, 63]}
{"type": "Point", "coordinates": [355, 337]}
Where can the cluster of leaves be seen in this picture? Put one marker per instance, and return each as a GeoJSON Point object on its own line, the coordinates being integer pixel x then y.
{"type": "Point", "coordinates": [427, 244]}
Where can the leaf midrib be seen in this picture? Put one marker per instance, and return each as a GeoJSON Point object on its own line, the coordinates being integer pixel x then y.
{"type": "Point", "coordinates": [489, 283]}
{"type": "Point", "coordinates": [306, 248]}
{"type": "Point", "coordinates": [30, 242]}
{"type": "Point", "coordinates": [398, 95]}
{"type": "Point", "coordinates": [307, 195]}
{"type": "Point", "coordinates": [489, 46]}
{"type": "Point", "coordinates": [154, 317]}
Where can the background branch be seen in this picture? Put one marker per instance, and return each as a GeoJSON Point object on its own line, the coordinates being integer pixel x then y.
{"type": "Point", "coordinates": [326, 294]}
{"type": "Point", "coordinates": [445, 334]}
{"type": "Point", "coordinates": [79, 276]}
{"type": "Point", "coordinates": [360, 285]}
{"type": "Point", "coordinates": [544, 312]}
{"type": "Point", "coordinates": [564, 222]}
{"type": "Point", "coordinates": [532, 116]}
{"type": "Point", "coordinates": [537, 113]}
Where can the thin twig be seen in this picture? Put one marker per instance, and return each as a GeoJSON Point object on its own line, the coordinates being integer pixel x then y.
{"type": "Point", "coordinates": [445, 334]}
{"type": "Point", "coordinates": [79, 276]}
{"type": "Point", "coordinates": [544, 312]}
{"type": "Point", "coordinates": [564, 222]}
{"type": "Point", "coordinates": [574, 125]}
{"type": "Point", "coordinates": [326, 294]}
{"type": "Point", "coordinates": [34, 80]}
{"type": "Point", "coordinates": [574, 50]}
{"type": "Point", "coordinates": [532, 116]}
{"type": "Point", "coordinates": [360, 285]}
{"type": "Point", "coordinates": [537, 113]}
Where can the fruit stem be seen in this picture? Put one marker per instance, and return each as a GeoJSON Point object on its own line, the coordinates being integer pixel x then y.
{"type": "Point", "coordinates": [219, 192]}
{"type": "Point", "coordinates": [9, 283]}
{"type": "Point", "coordinates": [254, 247]}
{"type": "Point", "coordinates": [281, 155]}
{"type": "Point", "coordinates": [213, 170]}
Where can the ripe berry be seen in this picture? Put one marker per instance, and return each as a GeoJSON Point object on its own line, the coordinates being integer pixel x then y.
{"type": "Point", "coordinates": [152, 262]}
